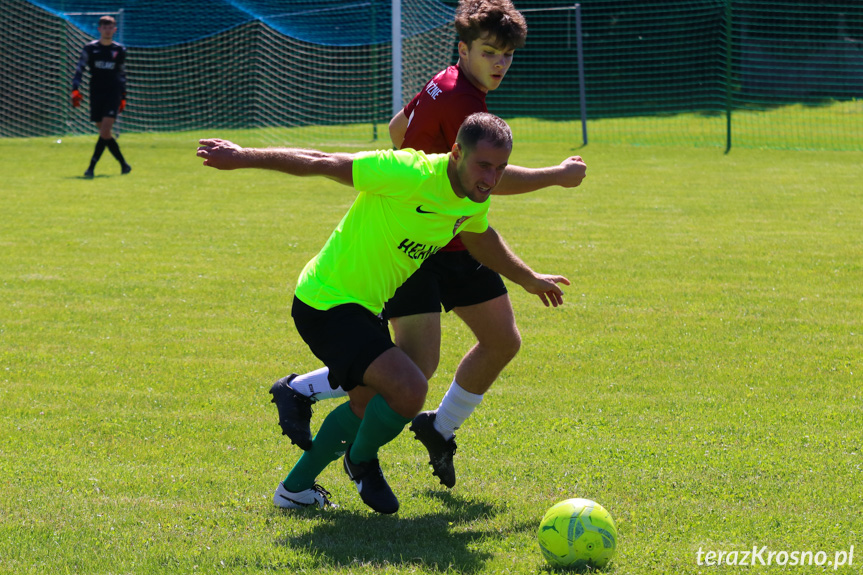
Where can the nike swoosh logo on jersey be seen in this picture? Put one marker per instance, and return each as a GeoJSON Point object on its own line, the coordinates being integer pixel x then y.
{"type": "Point", "coordinates": [420, 210]}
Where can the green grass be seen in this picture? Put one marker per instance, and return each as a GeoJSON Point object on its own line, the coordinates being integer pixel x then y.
{"type": "Point", "coordinates": [830, 126]}
{"type": "Point", "coordinates": [702, 380]}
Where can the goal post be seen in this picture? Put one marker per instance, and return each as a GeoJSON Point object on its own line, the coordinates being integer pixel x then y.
{"type": "Point", "coordinates": [118, 17]}
{"type": "Point", "coordinates": [571, 15]}
{"type": "Point", "coordinates": [769, 73]}
{"type": "Point", "coordinates": [543, 96]}
{"type": "Point", "coordinates": [396, 23]}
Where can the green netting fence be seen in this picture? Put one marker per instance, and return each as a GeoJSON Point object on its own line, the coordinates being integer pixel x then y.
{"type": "Point", "coordinates": [712, 73]}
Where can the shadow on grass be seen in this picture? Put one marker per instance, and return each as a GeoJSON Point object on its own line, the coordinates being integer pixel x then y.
{"type": "Point", "coordinates": [578, 570]}
{"type": "Point", "coordinates": [346, 538]}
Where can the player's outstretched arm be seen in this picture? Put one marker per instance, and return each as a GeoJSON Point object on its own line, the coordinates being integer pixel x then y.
{"type": "Point", "coordinates": [226, 155]}
{"type": "Point", "coordinates": [490, 250]}
{"type": "Point", "coordinates": [519, 180]}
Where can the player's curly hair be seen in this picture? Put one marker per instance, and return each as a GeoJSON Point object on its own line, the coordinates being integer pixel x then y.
{"type": "Point", "coordinates": [497, 18]}
{"type": "Point", "coordinates": [484, 126]}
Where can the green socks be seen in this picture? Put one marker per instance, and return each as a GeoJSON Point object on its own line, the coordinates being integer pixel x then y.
{"type": "Point", "coordinates": [379, 426]}
{"type": "Point", "coordinates": [341, 428]}
{"type": "Point", "coordinates": [336, 434]}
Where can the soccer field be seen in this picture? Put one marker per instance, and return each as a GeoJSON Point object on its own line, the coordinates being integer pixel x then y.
{"type": "Point", "coordinates": [702, 380]}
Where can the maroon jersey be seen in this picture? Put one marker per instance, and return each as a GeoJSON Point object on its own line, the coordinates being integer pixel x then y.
{"type": "Point", "coordinates": [436, 113]}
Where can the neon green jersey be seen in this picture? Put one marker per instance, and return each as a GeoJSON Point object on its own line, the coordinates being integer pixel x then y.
{"type": "Point", "coordinates": [406, 211]}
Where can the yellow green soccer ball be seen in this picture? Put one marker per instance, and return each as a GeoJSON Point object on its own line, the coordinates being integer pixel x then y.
{"type": "Point", "coordinates": [577, 533]}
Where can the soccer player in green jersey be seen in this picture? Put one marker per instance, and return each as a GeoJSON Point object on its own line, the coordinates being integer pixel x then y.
{"type": "Point", "coordinates": [489, 32]}
{"type": "Point", "coordinates": [410, 205]}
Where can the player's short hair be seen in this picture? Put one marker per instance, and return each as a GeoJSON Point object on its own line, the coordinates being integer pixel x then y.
{"type": "Point", "coordinates": [106, 20]}
{"type": "Point", "coordinates": [496, 18]}
{"type": "Point", "coordinates": [482, 126]}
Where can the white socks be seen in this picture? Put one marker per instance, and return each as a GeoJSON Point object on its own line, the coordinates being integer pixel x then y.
{"type": "Point", "coordinates": [455, 407]}
{"type": "Point", "coordinates": [316, 384]}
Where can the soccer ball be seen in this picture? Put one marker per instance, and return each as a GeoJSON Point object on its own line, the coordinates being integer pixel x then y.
{"type": "Point", "coordinates": [577, 533]}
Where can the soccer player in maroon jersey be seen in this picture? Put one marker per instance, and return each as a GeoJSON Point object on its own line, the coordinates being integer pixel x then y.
{"type": "Point", "coordinates": [106, 61]}
{"type": "Point", "coordinates": [340, 294]}
{"type": "Point", "coordinates": [489, 32]}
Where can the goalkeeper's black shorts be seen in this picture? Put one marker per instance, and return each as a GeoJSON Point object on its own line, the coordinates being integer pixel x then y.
{"type": "Point", "coordinates": [104, 105]}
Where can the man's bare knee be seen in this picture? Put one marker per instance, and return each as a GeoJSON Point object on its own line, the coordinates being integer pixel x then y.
{"type": "Point", "coordinates": [419, 337]}
{"type": "Point", "coordinates": [427, 363]}
{"type": "Point", "coordinates": [513, 344]}
{"type": "Point", "coordinates": [425, 356]}
{"type": "Point", "coordinates": [504, 344]}
{"type": "Point", "coordinates": [406, 397]}
{"type": "Point", "coordinates": [399, 381]}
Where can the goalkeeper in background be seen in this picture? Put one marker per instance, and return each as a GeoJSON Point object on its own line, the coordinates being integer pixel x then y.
{"type": "Point", "coordinates": [106, 60]}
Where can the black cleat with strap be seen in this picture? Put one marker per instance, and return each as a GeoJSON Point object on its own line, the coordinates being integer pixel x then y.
{"type": "Point", "coordinates": [441, 451]}
{"type": "Point", "coordinates": [295, 412]}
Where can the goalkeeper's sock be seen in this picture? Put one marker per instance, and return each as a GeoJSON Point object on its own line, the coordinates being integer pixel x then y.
{"type": "Point", "coordinates": [114, 147]}
{"type": "Point", "coordinates": [455, 407]}
{"type": "Point", "coordinates": [337, 431]}
{"type": "Point", "coordinates": [97, 152]}
{"type": "Point", "coordinates": [380, 425]}
{"type": "Point", "coordinates": [316, 384]}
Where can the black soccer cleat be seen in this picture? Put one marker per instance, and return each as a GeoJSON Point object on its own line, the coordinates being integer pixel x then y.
{"type": "Point", "coordinates": [89, 174]}
{"type": "Point", "coordinates": [125, 169]}
{"type": "Point", "coordinates": [295, 412]}
{"type": "Point", "coordinates": [370, 482]}
{"type": "Point", "coordinates": [441, 451]}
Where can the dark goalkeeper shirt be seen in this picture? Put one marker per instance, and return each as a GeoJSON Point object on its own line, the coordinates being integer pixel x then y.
{"type": "Point", "coordinates": [107, 66]}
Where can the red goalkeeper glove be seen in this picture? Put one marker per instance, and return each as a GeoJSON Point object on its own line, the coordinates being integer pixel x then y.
{"type": "Point", "coordinates": [122, 104]}
{"type": "Point", "coordinates": [76, 98]}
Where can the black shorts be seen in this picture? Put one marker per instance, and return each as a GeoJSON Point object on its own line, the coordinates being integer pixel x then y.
{"type": "Point", "coordinates": [104, 105]}
{"type": "Point", "coordinates": [452, 279]}
{"type": "Point", "coordinates": [347, 338]}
